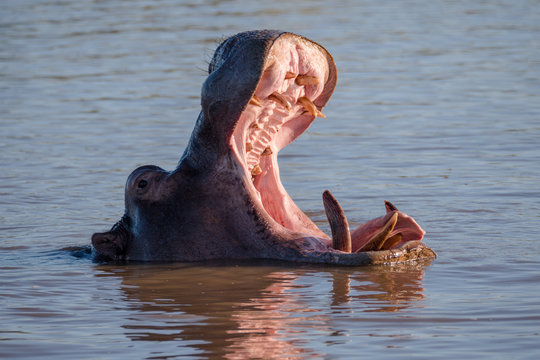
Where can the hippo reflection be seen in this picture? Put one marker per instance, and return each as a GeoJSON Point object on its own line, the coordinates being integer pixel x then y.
{"type": "Point", "coordinates": [225, 199]}
{"type": "Point", "coordinates": [255, 312]}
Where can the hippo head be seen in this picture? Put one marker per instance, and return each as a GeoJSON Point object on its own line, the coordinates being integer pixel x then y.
{"type": "Point", "coordinates": [225, 199]}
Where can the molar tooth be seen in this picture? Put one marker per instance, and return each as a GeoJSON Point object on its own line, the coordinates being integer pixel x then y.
{"type": "Point", "coordinates": [254, 125]}
{"type": "Point", "coordinates": [248, 147]}
{"type": "Point", "coordinates": [267, 151]}
{"type": "Point", "coordinates": [256, 170]}
{"type": "Point", "coordinates": [306, 80]}
{"type": "Point", "coordinates": [255, 100]}
{"type": "Point", "coordinates": [277, 97]}
{"type": "Point", "coordinates": [310, 107]}
{"type": "Point", "coordinates": [290, 75]}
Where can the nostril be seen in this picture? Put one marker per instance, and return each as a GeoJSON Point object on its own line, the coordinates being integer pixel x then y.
{"type": "Point", "coordinates": [142, 184]}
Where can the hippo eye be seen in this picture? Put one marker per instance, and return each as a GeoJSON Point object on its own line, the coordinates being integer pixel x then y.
{"type": "Point", "coordinates": [142, 184]}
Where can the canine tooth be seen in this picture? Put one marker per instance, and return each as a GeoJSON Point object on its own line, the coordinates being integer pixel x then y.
{"type": "Point", "coordinates": [306, 80]}
{"type": "Point", "coordinates": [310, 107]}
{"type": "Point", "coordinates": [290, 75]}
{"type": "Point", "coordinates": [256, 170]}
{"type": "Point", "coordinates": [389, 206]}
{"type": "Point", "coordinates": [277, 97]}
{"type": "Point", "coordinates": [248, 147]}
{"type": "Point", "coordinates": [341, 237]}
{"type": "Point", "coordinates": [255, 101]}
{"type": "Point", "coordinates": [267, 151]}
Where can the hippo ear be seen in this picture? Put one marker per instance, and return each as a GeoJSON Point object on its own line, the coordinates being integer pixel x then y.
{"type": "Point", "coordinates": [110, 244]}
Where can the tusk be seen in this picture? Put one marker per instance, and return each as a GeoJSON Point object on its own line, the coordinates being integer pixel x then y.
{"type": "Point", "coordinates": [391, 242]}
{"type": "Point", "coordinates": [306, 80]}
{"type": "Point", "coordinates": [389, 206]}
{"type": "Point", "coordinates": [255, 101]}
{"type": "Point", "coordinates": [341, 237]}
{"type": "Point", "coordinates": [378, 240]}
{"type": "Point", "coordinates": [310, 107]}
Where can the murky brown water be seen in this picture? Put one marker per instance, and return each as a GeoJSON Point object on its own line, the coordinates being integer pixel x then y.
{"type": "Point", "coordinates": [437, 109]}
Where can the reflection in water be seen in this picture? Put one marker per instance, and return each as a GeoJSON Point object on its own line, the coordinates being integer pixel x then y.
{"type": "Point", "coordinates": [239, 312]}
{"type": "Point", "coordinates": [393, 289]}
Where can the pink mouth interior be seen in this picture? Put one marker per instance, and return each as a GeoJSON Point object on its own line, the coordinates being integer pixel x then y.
{"type": "Point", "coordinates": [265, 128]}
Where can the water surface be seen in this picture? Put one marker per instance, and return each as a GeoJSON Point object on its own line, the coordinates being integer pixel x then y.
{"type": "Point", "coordinates": [437, 109]}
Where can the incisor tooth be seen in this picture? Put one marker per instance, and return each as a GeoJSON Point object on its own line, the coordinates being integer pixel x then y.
{"type": "Point", "coordinates": [277, 97]}
{"type": "Point", "coordinates": [391, 242]}
{"type": "Point", "coordinates": [310, 107]}
{"type": "Point", "coordinates": [256, 170]}
{"type": "Point", "coordinates": [306, 80]}
{"type": "Point", "coordinates": [290, 75]}
{"type": "Point", "coordinates": [255, 101]}
{"type": "Point", "coordinates": [377, 241]}
{"type": "Point", "coordinates": [267, 151]}
{"type": "Point", "coordinates": [248, 147]}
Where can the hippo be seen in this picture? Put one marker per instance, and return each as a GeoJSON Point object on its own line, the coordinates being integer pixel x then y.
{"type": "Point", "coordinates": [225, 199]}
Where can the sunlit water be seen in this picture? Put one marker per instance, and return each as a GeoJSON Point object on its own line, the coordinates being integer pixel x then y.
{"type": "Point", "coordinates": [437, 109]}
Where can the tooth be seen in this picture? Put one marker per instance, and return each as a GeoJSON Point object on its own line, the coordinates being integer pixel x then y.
{"type": "Point", "coordinates": [378, 240]}
{"type": "Point", "coordinates": [341, 237]}
{"type": "Point", "coordinates": [277, 97]}
{"type": "Point", "coordinates": [391, 242]}
{"type": "Point", "coordinates": [255, 101]}
{"type": "Point", "coordinates": [248, 147]}
{"type": "Point", "coordinates": [256, 170]}
{"type": "Point", "coordinates": [290, 75]}
{"type": "Point", "coordinates": [390, 207]}
{"type": "Point", "coordinates": [310, 107]}
{"type": "Point", "coordinates": [306, 80]}
{"type": "Point", "coordinates": [254, 125]}
{"type": "Point", "coordinates": [267, 151]}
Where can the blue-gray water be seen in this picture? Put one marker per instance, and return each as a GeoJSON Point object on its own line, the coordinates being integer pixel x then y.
{"type": "Point", "coordinates": [437, 109]}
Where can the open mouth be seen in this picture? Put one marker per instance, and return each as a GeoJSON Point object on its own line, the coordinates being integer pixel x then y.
{"type": "Point", "coordinates": [280, 110]}
{"type": "Point", "coordinates": [297, 80]}
{"type": "Point", "coordinates": [282, 107]}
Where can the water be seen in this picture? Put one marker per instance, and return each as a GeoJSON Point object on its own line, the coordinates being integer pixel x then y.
{"type": "Point", "coordinates": [437, 109]}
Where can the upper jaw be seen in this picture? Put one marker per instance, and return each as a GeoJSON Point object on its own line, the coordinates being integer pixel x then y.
{"type": "Point", "coordinates": [253, 63]}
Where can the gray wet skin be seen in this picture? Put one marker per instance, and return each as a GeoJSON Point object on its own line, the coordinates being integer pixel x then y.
{"type": "Point", "coordinates": [217, 204]}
